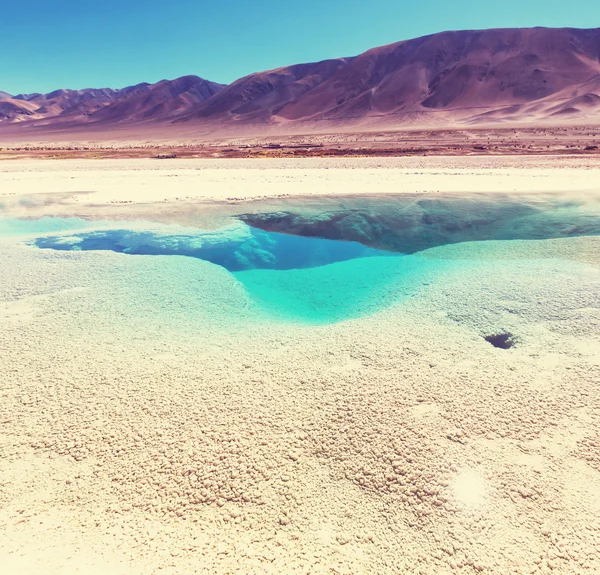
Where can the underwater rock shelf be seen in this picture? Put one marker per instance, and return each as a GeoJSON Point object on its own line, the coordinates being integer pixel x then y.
{"type": "Point", "coordinates": [235, 250]}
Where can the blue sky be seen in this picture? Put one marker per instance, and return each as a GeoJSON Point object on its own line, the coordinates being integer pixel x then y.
{"type": "Point", "coordinates": [85, 43]}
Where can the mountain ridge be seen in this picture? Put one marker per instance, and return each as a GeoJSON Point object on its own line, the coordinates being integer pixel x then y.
{"type": "Point", "coordinates": [89, 105]}
{"type": "Point", "coordinates": [447, 71]}
{"type": "Point", "coordinates": [467, 77]}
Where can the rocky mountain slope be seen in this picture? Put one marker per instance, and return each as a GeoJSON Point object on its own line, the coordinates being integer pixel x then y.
{"type": "Point", "coordinates": [464, 77]}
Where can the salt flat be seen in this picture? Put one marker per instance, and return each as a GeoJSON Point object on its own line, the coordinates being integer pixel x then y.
{"type": "Point", "coordinates": [165, 185]}
{"type": "Point", "coordinates": [151, 180]}
{"type": "Point", "coordinates": [155, 421]}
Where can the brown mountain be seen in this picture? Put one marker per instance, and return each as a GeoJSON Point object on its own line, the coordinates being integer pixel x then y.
{"type": "Point", "coordinates": [57, 105]}
{"type": "Point", "coordinates": [12, 109]}
{"type": "Point", "coordinates": [263, 95]}
{"type": "Point", "coordinates": [464, 77]}
{"type": "Point", "coordinates": [450, 76]}
{"type": "Point", "coordinates": [161, 100]}
{"type": "Point", "coordinates": [105, 105]}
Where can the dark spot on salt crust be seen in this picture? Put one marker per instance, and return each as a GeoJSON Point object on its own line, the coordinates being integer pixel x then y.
{"type": "Point", "coordinates": [502, 340]}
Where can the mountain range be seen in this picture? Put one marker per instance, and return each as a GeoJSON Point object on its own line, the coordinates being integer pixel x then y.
{"type": "Point", "coordinates": [463, 77]}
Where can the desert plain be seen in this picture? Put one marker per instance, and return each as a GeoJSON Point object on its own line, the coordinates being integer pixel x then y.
{"type": "Point", "coordinates": [148, 429]}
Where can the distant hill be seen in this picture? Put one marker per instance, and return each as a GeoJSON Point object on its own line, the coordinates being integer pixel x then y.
{"type": "Point", "coordinates": [132, 104]}
{"type": "Point", "coordinates": [161, 100]}
{"type": "Point", "coordinates": [465, 77]}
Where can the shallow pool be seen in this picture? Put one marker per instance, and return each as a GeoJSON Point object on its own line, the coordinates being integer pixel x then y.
{"type": "Point", "coordinates": [323, 265]}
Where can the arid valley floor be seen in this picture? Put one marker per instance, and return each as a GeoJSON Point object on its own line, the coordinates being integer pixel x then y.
{"type": "Point", "coordinates": [155, 421]}
{"type": "Point", "coordinates": [160, 144]}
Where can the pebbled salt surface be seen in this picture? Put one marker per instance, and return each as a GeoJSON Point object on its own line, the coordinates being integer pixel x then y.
{"type": "Point", "coordinates": [147, 434]}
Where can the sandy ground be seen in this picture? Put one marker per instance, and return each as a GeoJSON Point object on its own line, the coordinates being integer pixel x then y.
{"type": "Point", "coordinates": [142, 434]}
{"type": "Point", "coordinates": [152, 140]}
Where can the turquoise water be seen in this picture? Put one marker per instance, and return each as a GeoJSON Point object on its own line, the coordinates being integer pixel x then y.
{"type": "Point", "coordinates": [292, 278]}
{"type": "Point", "coordinates": [302, 277]}
{"type": "Point", "coordinates": [238, 248]}
{"type": "Point", "coordinates": [26, 227]}
{"type": "Point", "coordinates": [340, 291]}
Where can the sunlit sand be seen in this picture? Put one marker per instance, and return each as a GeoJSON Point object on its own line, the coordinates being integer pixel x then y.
{"type": "Point", "coordinates": [182, 393]}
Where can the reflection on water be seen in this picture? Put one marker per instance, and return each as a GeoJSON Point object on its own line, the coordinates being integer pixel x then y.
{"type": "Point", "coordinates": [409, 225]}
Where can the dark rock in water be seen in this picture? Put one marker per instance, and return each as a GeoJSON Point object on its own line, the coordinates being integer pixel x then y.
{"type": "Point", "coordinates": [501, 340]}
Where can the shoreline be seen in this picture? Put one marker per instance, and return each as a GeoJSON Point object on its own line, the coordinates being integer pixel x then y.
{"type": "Point", "coordinates": [146, 181]}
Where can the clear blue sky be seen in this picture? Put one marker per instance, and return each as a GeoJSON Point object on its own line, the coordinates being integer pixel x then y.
{"type": "Point", "coordinates": [88, 43]}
